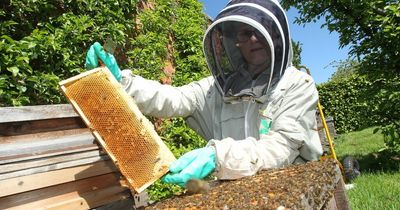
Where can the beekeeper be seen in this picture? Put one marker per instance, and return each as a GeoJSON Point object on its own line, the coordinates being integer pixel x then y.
{"type": "Point", "coordinates": [257, 111]}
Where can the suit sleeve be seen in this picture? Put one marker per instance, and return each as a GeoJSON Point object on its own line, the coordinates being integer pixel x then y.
{"type": "Point", "coordinates": [294, 116]}
{"type": "Point", "coordinates": [160, 100]}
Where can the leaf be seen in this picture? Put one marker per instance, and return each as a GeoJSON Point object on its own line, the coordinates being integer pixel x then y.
{"type": "Point", "coordinates": [21, 88]}
{"type": "Point", "coordinates": [23, 58]}
{"type": "Point", "coordinates": [9, 23]}
{"type": "Point", "coordinates": [14, 70]}
{"type": "Point", "coordinates": [376, 130]}
{"type": "Point", "coordinates": [31, 45]}
{"type": "Point", "coordinates": [9, 39]}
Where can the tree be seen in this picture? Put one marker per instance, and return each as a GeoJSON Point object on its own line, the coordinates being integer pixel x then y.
{"type": "Point", "coordinates": [296, 53]}
{"type": "Point", "coordinates": [370, 27]}
{"type": "Point", "coordinates": [345, 69]}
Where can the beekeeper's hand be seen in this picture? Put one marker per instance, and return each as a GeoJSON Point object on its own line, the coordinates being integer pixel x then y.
{"type": "Point", "coordinates": [195, 164]}
{"type": "Point", "coordinates": [97, 52]}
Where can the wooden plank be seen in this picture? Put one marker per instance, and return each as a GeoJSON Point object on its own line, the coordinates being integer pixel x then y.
{"type": "Point", "coordinates": [331, 205]}
{"type": "Point", "coordinates": [40, 180]}
{"type": "Point", "coordinates": [61, 151]}
{"type": "Point", "coordinates": [341, 200]}
{"type": "Point", "coordinates": [41, 136]}
{"type": "Point", "coordinates": [92, 199]}
{"type": "Point", "coordinates": [40, 112]}
{"type": "Point", "coordinates": [74, 78]}
{"type": "Point", "coordinates": [22, 165]}
{"type": "Point", "coordinates": [37, 198]}
{"type": "Point", "coordinates": [36, 126]}
{"type": "Point", "coordinates": [42, 142]}
{"type": "Point", "coordinates": [52, 167]}
{"type": "Point", "coordinates": [78, 201]}
{"type": "Point", "coordinates": [126, 204]}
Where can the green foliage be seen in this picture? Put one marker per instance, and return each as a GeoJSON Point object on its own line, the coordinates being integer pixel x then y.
{"type": "Point", "coordinates": [344, 69]}
{"type": "Point", "coordinates": [360, 101]}
{"type": "Point", "coordinates": [160, 190]}
{"type": "Point", "coordinates": [172, 31]}
{"type": "Point", "coordinates": [180, 26]}
{"type": "Point", "coordinates": [43, 42]}
{"type": "Point", "coordinates": [188, 32]}
{"type": "Point", "coordinates": [180, 139]}
{"type": "Point", "coordinates": [296, 53]}
{"type": "Point", "coordinates": [371, 29]}
{"type": "Point", "coordinates": [348, 103]}
{"type": "Point", "coordinates": [392, 136]}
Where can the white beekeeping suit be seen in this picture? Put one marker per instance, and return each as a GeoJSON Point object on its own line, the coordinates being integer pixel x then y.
{"type": "Point", "coordinates": [253, 120]}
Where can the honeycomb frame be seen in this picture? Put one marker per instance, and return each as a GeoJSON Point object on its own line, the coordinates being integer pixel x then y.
{"type": "Point", "coordinates": [127, 136]}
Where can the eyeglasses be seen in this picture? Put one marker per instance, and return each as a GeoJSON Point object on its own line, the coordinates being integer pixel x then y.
{"type": "Point", "coordinates": [245, 35]}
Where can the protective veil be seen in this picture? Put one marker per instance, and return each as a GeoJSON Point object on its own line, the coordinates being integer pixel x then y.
{"type": "Point", "coordinates": [229, 65]}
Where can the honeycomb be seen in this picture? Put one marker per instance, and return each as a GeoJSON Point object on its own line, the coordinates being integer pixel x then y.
{"type": "Point", "coordinates": [113, 117]}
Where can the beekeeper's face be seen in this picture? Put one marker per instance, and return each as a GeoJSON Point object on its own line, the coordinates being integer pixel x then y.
{"type": "Point", "coordinates": [252, 45]}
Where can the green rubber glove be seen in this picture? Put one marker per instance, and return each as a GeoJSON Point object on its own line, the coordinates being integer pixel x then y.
{"type": "Point", "coordinates": [95, 52]}
{"type": "Point", "coordinates": [195, 164]}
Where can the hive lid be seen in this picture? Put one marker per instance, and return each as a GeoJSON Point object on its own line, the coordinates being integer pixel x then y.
{"type": "Point", "coordinates": [113, 117]}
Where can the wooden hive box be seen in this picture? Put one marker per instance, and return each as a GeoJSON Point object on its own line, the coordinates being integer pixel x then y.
{"type": "Point", "coordinates": [50, 160]}
{"type": "Point", "coordinates": [315, 185]}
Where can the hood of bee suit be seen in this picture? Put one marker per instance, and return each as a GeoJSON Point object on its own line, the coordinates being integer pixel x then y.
{"type": "Point", "coordinates": [247, 48]}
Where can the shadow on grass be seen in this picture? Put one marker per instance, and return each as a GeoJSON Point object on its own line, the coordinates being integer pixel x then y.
{"type": "Point", "coordinates": [383, 161]}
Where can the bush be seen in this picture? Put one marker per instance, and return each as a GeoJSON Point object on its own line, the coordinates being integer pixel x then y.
{"type": "Point", "coordinates": [43, 42]}
{"type": "Point", "coordinates": [361, 101]}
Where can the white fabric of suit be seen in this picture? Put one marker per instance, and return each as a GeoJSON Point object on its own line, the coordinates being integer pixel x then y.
{"type": "Point", "coordinates": [234, 129]}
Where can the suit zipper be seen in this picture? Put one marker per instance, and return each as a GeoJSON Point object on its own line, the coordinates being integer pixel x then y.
{"type": "Point", "coordinates": [246, 124]}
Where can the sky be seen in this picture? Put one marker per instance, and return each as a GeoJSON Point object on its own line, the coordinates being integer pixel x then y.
{"type": "Point", "coordinates": [320, 48]}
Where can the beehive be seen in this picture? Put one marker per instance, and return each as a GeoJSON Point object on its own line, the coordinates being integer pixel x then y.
{"type": "Point", "coordinates": [115, 120]}
{"type": "Point", "coordinates": [307, 186]}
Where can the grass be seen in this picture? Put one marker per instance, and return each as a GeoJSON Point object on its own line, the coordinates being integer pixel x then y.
{"type": "Point", "coordinates": [359, 143]}
{"type": "Point", "coordinates": [378, 186]}
{"type": "Point", "coordinates": [378, 190]}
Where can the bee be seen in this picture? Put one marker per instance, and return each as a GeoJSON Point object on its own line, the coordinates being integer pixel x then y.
{"type": "Point", "coordinates": [195, 186]}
